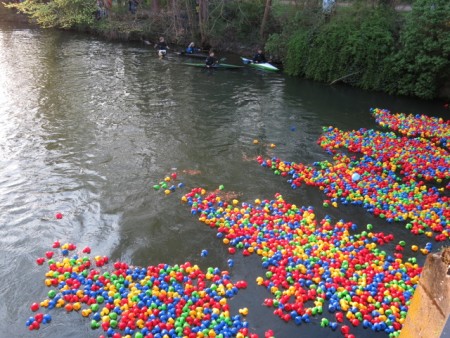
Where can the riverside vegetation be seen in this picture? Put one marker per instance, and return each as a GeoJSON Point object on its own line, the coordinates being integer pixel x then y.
{"type": "Point", "coordinates": [366, 44]}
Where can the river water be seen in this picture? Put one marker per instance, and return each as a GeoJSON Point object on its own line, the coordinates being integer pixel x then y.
{"type": "Point", "coordinates": [87, 127]}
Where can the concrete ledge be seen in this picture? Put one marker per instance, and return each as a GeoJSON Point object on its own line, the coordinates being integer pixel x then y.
{"type": "Point", "coordinates": [430, 305]}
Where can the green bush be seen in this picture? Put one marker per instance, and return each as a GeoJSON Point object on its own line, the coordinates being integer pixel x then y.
{"type": "Point", "coordinates": [371, 48]}
{"type": "Point", "coordinates": [59, 13]}
{"type": "Point", "coordinates": [422, 63]}
{"type": "Point", "coordinates": [353, 43]}
{"type": "Point", "coordinates": [287, 24]}
{"type": "Point", "coordinates": [237, 21]}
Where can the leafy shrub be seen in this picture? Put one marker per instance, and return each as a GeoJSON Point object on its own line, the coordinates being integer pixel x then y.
{"type": "Point", "coordinates": [422, 63]}
{"type": "Point", "coordinates": [355, 44]}
{"type": "Point", "coordinates": [237, 21]}
{"type": "Point", "coordinates": [59, 13]}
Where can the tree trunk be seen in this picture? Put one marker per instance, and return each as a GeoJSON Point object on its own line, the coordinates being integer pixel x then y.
{"type": "Point", "coordinates": [203, 19]}
{"type": "Point", "coordinates": [155, 6]}
{"type": "Point", "coordinates": [265, 18]}
{"type": "Point", "coordinates": [175, 18]}
{"type": "Point", "coordinates": [191, 19]}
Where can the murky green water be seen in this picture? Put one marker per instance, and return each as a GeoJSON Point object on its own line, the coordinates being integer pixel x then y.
{"type": "Point", "coordinates": [87, 127]}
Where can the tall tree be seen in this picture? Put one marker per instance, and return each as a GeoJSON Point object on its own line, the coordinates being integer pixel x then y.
{"type": "Point", "coordinates": [265, 18]}
{"type": "Point", "coordinates": [192, 22]}
{"type": "Point", "coordinates": [156, 6]}
{"type": "Point", "coordinates": [203, 19]}
{"type": "Point", "coordinates": [175, 18]}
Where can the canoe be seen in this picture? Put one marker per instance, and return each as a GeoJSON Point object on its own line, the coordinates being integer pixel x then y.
{"type": "Point", "coordinates": [216, 66]}
{"type": "Point", "coordinates": [263, 66]}
{"type": "Point", "coordinates": [192, 55]}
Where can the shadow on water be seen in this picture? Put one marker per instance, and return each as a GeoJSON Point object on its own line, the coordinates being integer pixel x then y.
{"type": "Point", "coordinates": [87, 127]}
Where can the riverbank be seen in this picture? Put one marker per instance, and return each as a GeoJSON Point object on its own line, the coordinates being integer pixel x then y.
{"type": "Point", "coordinates": [122, 26]}
{"type": "Point", "coordinates": [129, 27]}
{"type": "Point", "coordinates": [384, 49]}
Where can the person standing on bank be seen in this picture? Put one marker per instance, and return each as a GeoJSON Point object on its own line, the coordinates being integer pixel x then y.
{"type": "Point", "coordinates": [132, 6]}
{"type": "Point", "coordinates": [162, 47]}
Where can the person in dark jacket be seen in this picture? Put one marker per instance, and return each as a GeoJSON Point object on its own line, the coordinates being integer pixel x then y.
{"type": "Point", "coordinates": [162, 47]}
{"type": "Point", "coordinates": [132, 6]}
{"type": "Point", "coordinates": [210, 60]}
{"type": "Point", "coordinates": [259, 57]}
